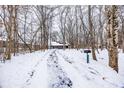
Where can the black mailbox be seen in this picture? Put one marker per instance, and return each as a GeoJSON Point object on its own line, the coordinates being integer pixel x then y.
{"type": "Point", "coordinates": [87, 51]}
{"type": "Point", "coordinates": [87, 56]}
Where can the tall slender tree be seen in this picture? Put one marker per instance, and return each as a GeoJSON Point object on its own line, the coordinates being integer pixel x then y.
{"type": "Point", "coordinates": [112, 38]}
{"type": "Point", "coordinates": [92, 39]}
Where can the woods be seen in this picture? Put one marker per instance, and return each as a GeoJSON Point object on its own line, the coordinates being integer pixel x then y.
{"type": "Point", "coordinates": [28, 28]}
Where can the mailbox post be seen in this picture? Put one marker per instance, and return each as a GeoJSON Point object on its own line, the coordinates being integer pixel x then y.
{"type": "Point", "coordinates": [87, 51]}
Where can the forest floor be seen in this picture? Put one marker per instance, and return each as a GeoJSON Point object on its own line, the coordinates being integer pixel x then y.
{"type": "Point", "coordinates": [58, 68]}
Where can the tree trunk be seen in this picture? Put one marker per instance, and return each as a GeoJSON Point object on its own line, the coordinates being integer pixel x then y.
{"type": "Point", "coordinates": [123, 36]}
{"type": "Point", "coordinates": [113, 37]}
{"type": "Point", "coordinates": [91, 34]}
{"type": "Point", "coordinates": [15, 29]}
{"type": "Point", "coordinates": [10, 28]}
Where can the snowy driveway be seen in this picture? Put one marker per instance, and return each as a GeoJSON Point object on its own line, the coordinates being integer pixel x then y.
{"type": "Point", "coordinates": [56, 69]}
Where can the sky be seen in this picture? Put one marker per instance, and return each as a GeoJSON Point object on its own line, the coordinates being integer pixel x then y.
{"type": "Point", "coordinates": [63, 2]}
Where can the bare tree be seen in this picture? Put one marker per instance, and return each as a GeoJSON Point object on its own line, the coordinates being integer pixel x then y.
{"type": "Point", "coordinates": [91, 33]}
{"type": "Point", "coordinates": [112, 23]}
{"type": "Point", "coordinates": [9, 19]}
{"type": "Point", "coordinates": [121, 35]}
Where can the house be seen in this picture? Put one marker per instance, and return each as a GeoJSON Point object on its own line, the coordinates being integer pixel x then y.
{"type": "Point", "coordinates": [55, 45]}
{"type": "Point", "coordinates": [20, 45]}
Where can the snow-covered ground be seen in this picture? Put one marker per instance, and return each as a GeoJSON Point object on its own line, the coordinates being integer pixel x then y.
{"type": "Point", "coordinates": [60, 69]}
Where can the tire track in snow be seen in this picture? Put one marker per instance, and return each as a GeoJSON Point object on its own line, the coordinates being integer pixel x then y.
{"type": "Point", "coordinates": [92, 71]}
{"type": "Point", "coordinates": [57, 77]}
{"type": "Point", "coordinates": [33, 71]}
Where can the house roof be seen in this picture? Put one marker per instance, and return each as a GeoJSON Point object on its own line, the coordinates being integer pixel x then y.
{"type": "Point", "coordinates": [3, 39]}
{"type": "Point", "coordinates": [57, 44]}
